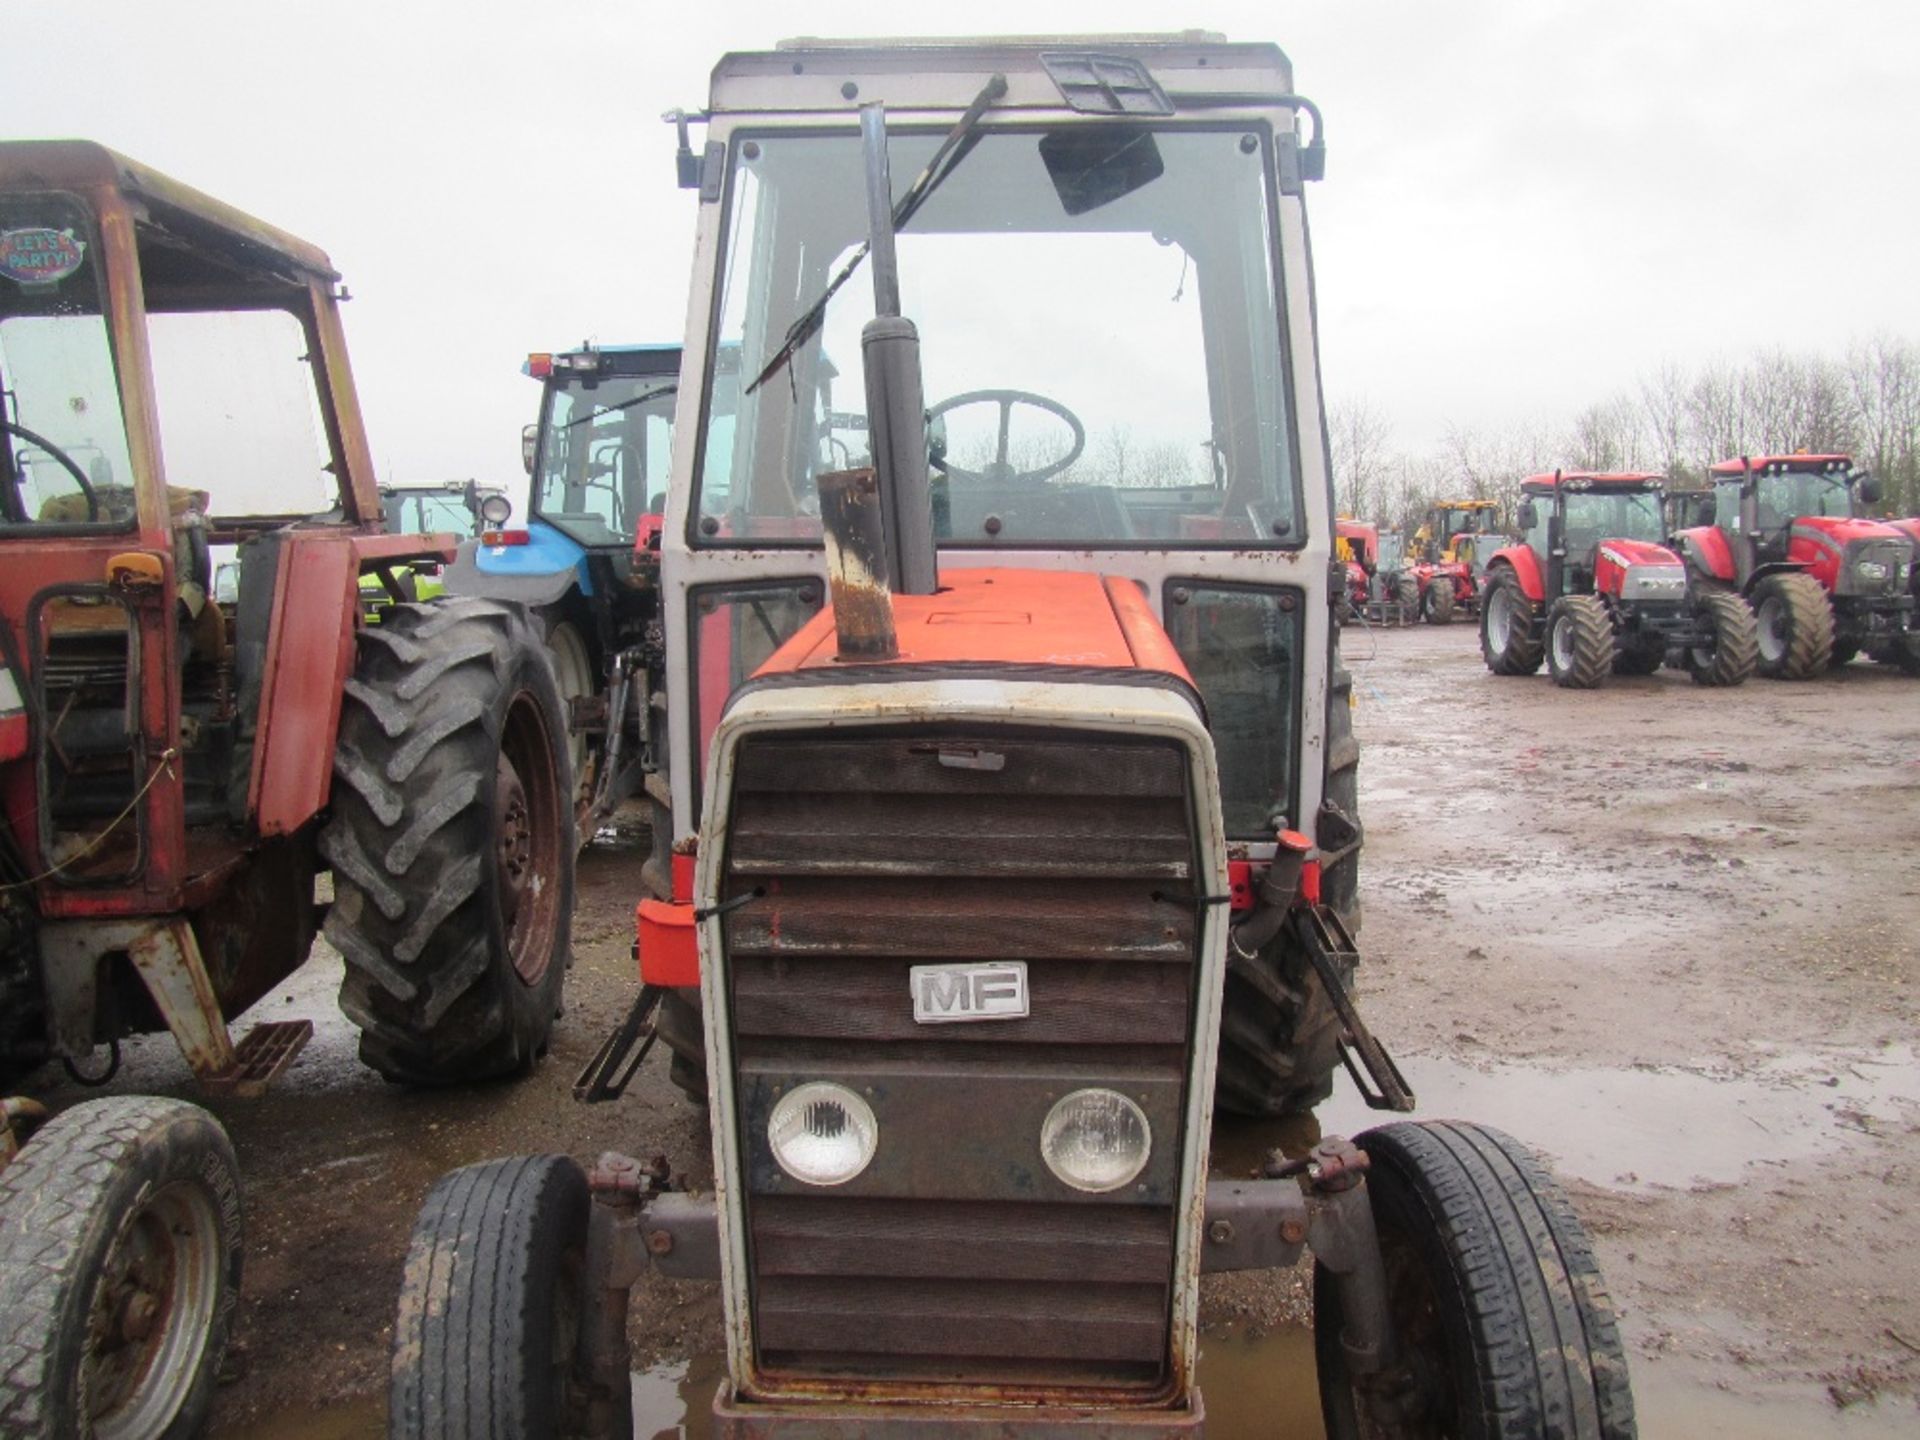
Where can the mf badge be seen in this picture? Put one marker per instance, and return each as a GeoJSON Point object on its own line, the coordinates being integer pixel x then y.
{"type": "Point", "coordinates": [944, 994]}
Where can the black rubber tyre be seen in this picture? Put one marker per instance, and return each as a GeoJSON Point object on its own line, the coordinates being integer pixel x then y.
{"type": "Point", "coordinates": [1279, 1033]}
{"type": "Point", "coordinates": [1579, 642]}
{"type": "Point", "coordinates": [452, 844]}
{"type": "Point", "coordinates": [1730, 660]}
{"type": "Point", "coordinates": [1436, 606]}
{"type": "Point", "coordinates": [1643, 657]}
{"type": "Point", "coordinates": [1843, 654]}
{"type": "Point", "coordinates": [1509, 626]}
{"type": "Point", "coordinates": [120, 1252]}
{"type": "Point", "coordinates": [491, 1305]}
{"type": "Point", "coordinates": [1494, 1295]}
{"type": "Point", "coordinates": [1794, 624]}
{"type": "Point", "coordinates": [1406, 593]}
{"type": "Point", "coordinates": [1905, 652]}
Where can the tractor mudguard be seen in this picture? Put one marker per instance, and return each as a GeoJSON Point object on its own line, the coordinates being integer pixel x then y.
{"type": "Point", "coordinates": [1526, 569]}
{"type": "Point", "coordinates": [537, 573]}
{"type": "Point", "coordinates": [1707, 552]}
{"type": "Point", "coordinates": [1774, 567]}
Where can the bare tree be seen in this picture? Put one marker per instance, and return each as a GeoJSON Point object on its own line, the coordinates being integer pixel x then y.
{"type": "Point", "coordinates": [1358, 435]}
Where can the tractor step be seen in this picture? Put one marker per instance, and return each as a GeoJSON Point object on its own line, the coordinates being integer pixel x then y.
{"type": "Point", "coordinates": [1327, 941]}
{"type": "Point", "coordinates": [262, 1054]}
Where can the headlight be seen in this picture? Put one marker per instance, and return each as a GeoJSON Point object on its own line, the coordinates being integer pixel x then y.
{"type": "Point", "coordinates": [1096, 1140]}
{"type": "Point", "coordinates": [1872, 570]}
{"type": "Point", "coordinates": [1653, 582]}
{"type": "Point", "coordinates": [822, 1133]}
{"type": "Point", "coordinates": [496, 509]}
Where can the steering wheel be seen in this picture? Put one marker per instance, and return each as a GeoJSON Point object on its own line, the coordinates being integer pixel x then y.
{"type": "Point", "coordinates": [999, 472]}
{"type": "Point", "coordinates": [68, 463]}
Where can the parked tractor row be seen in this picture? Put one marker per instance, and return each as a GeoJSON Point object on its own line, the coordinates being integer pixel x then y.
{"type": "Point", "coordinates": [1004, 802]}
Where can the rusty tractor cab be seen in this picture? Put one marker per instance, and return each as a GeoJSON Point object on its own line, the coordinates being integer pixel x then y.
{"type": "Point", "coordinates": [173, 379]}
{"type": "Point", "coordinates": [586, 563]}
{"type": "Point", "coordinates": [1443, 549]}
{"type": "Point", "coordinates": [1825, 581]}
{"type": "Point", "coordinates": [1004, 871]}
{"type": "Point", "coordinates": [1592, 590]}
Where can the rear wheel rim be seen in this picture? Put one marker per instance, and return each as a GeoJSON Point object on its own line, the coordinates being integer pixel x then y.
{"type": "Point", "coordinates": [527, 840]}
{"type": "Point", "coordinates": [1773, 629]}
{"type": "Point", "coordinates": [152, 1314]}
{"type": "Point", "coordinates": [1562, 642]}
{"type": "Point", "coordinates": [1499, 618]}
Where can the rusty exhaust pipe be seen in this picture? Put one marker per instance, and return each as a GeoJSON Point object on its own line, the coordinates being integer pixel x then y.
{"type": "Point", "coordinates": [858, 580]}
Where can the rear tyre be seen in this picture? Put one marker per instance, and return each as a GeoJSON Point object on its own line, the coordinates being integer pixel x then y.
{"type": "Point", "coordinates": [1406, 593]}
{"type": "Point", "coordinates": [573, 674]}
{"type": "Point", "coordinates": [452, 844]}
{"type": "Point", "coordinates": [1794, 621]}
{"type": "Point", "coordinates": [1843, 654]}
{"type": "Point", "coordinates": [1730, 658]}
{"type": "Point", "coordinates": [120, 1249]}
{"type": "Point", "coordinates": [1437, 606]}
{"type": "Point", "coordinates": [1580, 647]}
{"type": "Point", "coordinates": [1497, 1306]}
{"type": "Point", "coordinates": [1509, 639]}
{"type": "Point", "coordinates": [492, 1304]}
{"type": "Point", "coordinates": [1279, 1033]}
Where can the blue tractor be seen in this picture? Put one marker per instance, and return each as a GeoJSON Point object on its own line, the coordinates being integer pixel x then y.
{"type": "Point", "coordinates": [585, 560]}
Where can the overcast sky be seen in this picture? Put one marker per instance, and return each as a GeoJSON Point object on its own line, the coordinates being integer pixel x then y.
{"type": "Point", "coordinates": [1526, 205]}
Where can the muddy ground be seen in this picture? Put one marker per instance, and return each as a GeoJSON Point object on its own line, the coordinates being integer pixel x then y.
{"type": "Point", "coordinates": [1668, 935]}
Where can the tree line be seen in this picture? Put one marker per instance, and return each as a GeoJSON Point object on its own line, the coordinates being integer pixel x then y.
{"type": "Point", "coordinates": [1675, 420]}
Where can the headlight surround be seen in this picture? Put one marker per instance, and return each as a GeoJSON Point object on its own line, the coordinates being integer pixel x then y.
{"type": "Point", "coordinates": [1872, 569]}
{"type": "Point", "coordinates": [822, 1133]}
{"type": "Point", "coordinates": [1096, 1140]}
{"type": "Point", "coordinates": [1654, 582]}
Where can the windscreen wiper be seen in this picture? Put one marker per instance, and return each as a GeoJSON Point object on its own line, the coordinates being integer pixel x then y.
{"type": "Point", "coordinates": [955, 148]}
{"type": "Point", "coordinates": [654, 394]}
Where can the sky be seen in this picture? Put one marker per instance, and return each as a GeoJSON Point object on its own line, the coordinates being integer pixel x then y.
{"type": "Point", "coordinates": [1527, 205]}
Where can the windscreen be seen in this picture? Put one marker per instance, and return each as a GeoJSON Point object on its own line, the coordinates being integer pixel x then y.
{"type": "Point", "coordinates": [1101, 343]}
{"type": "Point", "coordinates": [605, 449]}
{"type": "Point", "coordinates": [1782, 498]}
{"type": "Point", "coordinates": [63, 444]}
{"type": "Point", "coordinates": [1596, 515]}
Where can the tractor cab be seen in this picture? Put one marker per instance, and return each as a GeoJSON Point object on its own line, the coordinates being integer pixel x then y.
{"type": "Point", "coordinates": [1827, 582]}
{"type": "Point", "coordinates": [1591, 589]}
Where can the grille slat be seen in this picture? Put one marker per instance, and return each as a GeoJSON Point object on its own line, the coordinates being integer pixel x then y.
{"type": "Point", "coordinates": [881, 851]}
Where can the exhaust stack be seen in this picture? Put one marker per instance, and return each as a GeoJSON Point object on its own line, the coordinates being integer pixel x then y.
{"type": "Point", "coordinates": [857, 573]}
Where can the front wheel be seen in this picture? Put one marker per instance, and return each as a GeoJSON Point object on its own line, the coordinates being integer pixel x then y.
{"type": "Point", "coordinates": [452, 844]}
{"type": "Point", "coordinates": [1733, 644]}
{"type": "Point", "coordinates": [1508, 642]}
{"type": "Point", "coordinates": [1437, 607]}
{"type": "Point", "coordinates": [1502, 1323]}
{"type": "Point", "coordinates": [492, 1302]}
{"type": "Point", "coordinates": [1795, 627]}
{"type": "Point", "coordinates": [1580, 647]}
{"type": "Point", "coordinates": [120, 1240]}
{"type": "Point", "coordinates": [1406, 594]}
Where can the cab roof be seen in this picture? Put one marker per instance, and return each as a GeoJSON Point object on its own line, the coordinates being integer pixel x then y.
{"type": "Point", "coordinates": [1596, 480]}
{"type": "Point", "coordinates": [1784, 462]}
{"type": "Point", "coordinates": [1196, 68]}
{"type": "Point", "coordinates": [84, 165]}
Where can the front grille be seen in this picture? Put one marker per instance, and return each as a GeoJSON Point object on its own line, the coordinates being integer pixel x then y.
{"type": "Point", "coordinates": [957, 1253]}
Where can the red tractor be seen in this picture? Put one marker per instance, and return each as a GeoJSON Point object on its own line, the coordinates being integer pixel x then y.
{"type": "Point", "coordinates": [1824, 581]}
{"type": "Point", "coordinates": [1592, 591]}
{"type": "Point", "coordinates": [1358, 545]}
{"type": "Point", "coordinates": [178, 770]}
{"type": "Point", "coordinates": [1001, 875]}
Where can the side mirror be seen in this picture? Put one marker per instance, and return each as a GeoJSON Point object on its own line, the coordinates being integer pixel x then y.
{"type": "Point", "coordinates": [1526, 516]}
{"type": "Point", "coordinates": [1867, 487]}
{"type": "Point", "coordinates": [528, 436]}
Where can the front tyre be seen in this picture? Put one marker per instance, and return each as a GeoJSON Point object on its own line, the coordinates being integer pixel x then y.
{"type": "Point", "coordinates": [1406, 594]}
{"type": "Point", "coordinates": [120, 1249]}
{"type": "Point", "coordinates": [1498, 1310]}
{"type": "Point", "coordinates": [1437, 606]}
{"type": "Point", "coordinates": [492, 1302]}
{"type": "Point", "coordinates": [1733, 649]}
{"type": "Point", "coordinates": [1794, 621]}
{"type": "Point", "coordinates": [452, 844]}
{"type": "Point", "coordinates": [1580, 648]}
{"type": "Point", "coordinates": [1508, 624]}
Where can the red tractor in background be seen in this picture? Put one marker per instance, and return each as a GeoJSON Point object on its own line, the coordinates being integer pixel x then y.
{"type": "Point", "coordinates": [1592, 591]}
{"type": "Point", "coordinates": [1825, 582]}
{"type": "Point", "coordinates": [1451, 546]}
{"type": "Point", "coordinates": [1358, 545]}
{"type": "Point", "coordinates": [178, 768]}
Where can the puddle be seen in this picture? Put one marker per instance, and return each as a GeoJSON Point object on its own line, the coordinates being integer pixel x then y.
{"type": "Point", "coordinates": [362, 1420]}
{"type": "Point", "coordinates": [674, 1400]}
{"type": "Point", "coordinates": [1632, 1128]}
{"type": "Point", "coordinates": [1260, 1389]}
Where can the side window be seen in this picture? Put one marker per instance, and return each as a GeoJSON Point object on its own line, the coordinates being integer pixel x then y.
{"type": "Point", "coordinates": [1241, 643]}
{"type": "Point", "coordinates": [239, 412]}
{"type": "Point", "coordinates": [735, 629]}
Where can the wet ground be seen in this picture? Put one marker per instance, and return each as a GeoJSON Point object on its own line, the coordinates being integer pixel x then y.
{"type": "Point", "coordinates": [1667, 935]}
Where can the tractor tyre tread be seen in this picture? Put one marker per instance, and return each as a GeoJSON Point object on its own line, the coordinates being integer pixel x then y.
{"type": "Point", "coordinates": [1736, 643]}
{"type": "Point", "coordinates": [61, 1201]}
{"type": "Point", "coordinates": [1438, 606]}
{"type": "Point", "coordinates": [1524, 650]}
{"type": "Point", "coordinates": [428, 978]}
{"type": "Point", "coordinates": [1809, 614]}
{"type": "Point", "coordinates": [472, 1338]}
{"type": "Point", "coordinates": [1533, 1341]}
{"type": "Point", "coordinates": [1593, 642]}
